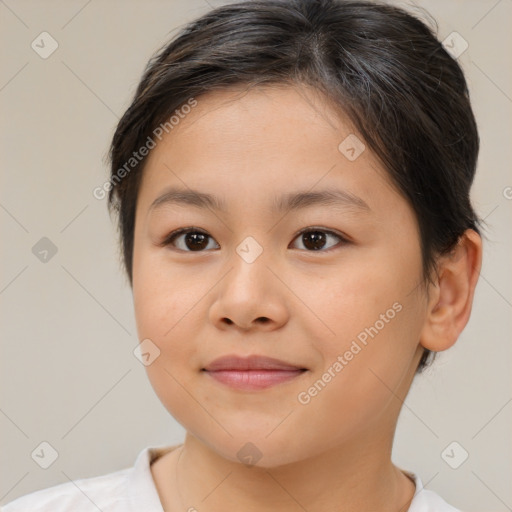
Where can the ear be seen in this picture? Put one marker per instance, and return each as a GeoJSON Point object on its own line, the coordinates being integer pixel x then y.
{"type": "Point", "coordinates": [451, 296]}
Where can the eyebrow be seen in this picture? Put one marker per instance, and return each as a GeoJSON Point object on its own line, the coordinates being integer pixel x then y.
{"type": "Point", "coordinates": [291, 201]}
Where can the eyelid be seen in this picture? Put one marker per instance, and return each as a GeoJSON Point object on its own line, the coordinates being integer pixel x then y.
{"type": "Point", "coordinates": [343, 238]}
{"type": "Point", "coordinates": [181, 231]}
{"type": "Point", "coordinates": [329, 231]}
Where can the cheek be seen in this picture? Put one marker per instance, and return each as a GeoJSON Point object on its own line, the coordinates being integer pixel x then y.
{"type": "Point", "coordinates": [164, 313]}
{"type": "Point", "coordinates": [164, 316]}
{"type": "Point", "coordinates": [364, 365]}
{"type": "Point", "coordinates": [374, 317]}
{"type": "Point", "coordinates": [159, 295]}
{"type": "Point", "coordinates": [349, 301]}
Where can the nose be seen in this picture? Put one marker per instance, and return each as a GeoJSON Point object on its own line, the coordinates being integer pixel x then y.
{"type": "Point", "coordinates": [249, 297]}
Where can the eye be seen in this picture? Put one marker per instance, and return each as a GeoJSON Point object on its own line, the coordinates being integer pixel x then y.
{"type": "Point", "coordinates": [189, 240]}
{"type": "Point", "coordinates": [318, 239]}
{"type": "Point", "coordinates": [195, 240]}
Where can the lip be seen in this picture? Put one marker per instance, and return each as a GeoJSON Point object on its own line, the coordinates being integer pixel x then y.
{"type": "Point", "coordinates": [253, 372]}
{"type": "Point", "coordinates": [253, 362]}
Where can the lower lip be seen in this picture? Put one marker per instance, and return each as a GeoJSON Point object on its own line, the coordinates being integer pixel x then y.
{"type": "Point", "coordinates": [251, 380]}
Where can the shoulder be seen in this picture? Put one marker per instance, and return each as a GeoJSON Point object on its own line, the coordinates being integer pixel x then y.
{"type": "Point", "coordinates": [126, 490]}
{"type": "Point", "coordinates": [427, 501]}
{"type": "Point", "coordinates": [105, 492]}
{"type": "Point", "coordinates": [432, 502]}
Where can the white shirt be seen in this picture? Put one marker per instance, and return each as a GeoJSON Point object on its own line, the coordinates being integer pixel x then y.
{"type": "Point", "coordinates": [133, 490]}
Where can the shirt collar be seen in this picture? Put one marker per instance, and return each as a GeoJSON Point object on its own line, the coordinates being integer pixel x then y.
{"type": "Point", "coordinates": [141, 489]}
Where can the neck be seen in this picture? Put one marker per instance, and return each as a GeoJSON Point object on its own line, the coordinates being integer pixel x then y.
{"type": "Point", "coordinates": [358, 475]}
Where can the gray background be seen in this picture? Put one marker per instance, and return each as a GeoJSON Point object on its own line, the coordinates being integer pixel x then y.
{"type": "Point", "coordinates": [68, 373]}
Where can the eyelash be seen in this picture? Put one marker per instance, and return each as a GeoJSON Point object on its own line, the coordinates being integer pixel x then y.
{"type": "Point", "coordinates": [182, 231]}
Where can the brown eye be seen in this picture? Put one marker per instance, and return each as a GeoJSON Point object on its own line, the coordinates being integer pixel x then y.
{"type": "Point", "coordinates": [189, 240]}
{"type": "Point", "coordinates": [318, 240]}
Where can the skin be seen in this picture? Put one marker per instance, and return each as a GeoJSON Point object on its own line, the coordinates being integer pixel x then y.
{"type": "Point", "coordinates": [301, 306]}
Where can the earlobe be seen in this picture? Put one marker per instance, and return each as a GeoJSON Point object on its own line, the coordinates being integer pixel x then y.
{"type": "Point", "coordinates": [451, 298]}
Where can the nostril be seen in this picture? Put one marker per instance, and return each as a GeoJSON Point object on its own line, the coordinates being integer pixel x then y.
{"type": "Point", "coordinates": [261, 320]}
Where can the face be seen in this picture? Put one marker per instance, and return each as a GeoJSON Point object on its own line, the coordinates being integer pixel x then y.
{"type": "Point", "coordinates": [304, 253]}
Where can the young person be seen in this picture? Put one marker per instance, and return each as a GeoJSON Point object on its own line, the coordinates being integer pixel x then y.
{"type": "Point", "coordinates": [292, 183]}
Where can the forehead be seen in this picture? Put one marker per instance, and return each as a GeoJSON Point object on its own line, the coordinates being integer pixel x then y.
{"type": "Point", "coordinates": [258, 114]}
{"type": "Point", "coordinates": [251, 142]}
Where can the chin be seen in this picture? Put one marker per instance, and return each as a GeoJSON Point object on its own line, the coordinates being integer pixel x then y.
{"type": "Point", "coordinates": [256, 451]}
